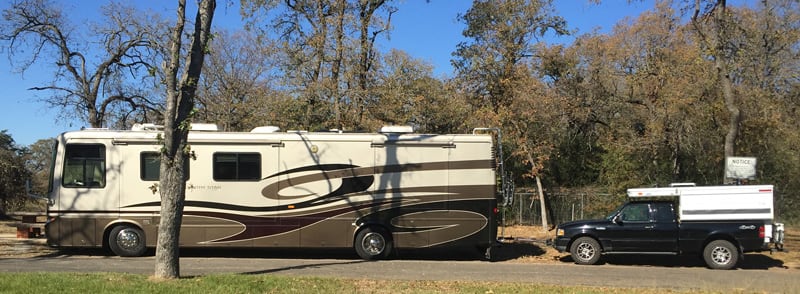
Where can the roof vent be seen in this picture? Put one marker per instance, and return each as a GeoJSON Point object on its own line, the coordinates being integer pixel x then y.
{"type": "Point", "coordinates": [396, 130]}
{"type": "Point", "coordinates": [265, 129]}
{"type": "Point", "coordinates": [147, 127]}
{"type": "Point", "coordinates": [676, 185]}
{"type": "Point", "coordinates": [204, 127]}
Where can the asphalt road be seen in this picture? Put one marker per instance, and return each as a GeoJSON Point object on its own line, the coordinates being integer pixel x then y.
{"type": "Point", "coordinates": [612, 275]}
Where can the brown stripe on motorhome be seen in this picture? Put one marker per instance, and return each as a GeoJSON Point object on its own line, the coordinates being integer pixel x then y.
{"type": "Point", "coordinates": [434, 194]}
{"type": "Point", "coordinates": [252, 230]}
{"type": "Point", "coordinates": [431, 228]}
{"type": "Point", "coordinates": [271, 191]}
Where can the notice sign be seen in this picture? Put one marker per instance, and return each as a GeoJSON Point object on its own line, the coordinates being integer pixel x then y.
{"type": "Point", "coordinates": [740, 168]}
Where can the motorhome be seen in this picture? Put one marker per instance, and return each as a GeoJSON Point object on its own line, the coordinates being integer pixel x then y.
{"type": "Point", "coordinates": [374, 192]}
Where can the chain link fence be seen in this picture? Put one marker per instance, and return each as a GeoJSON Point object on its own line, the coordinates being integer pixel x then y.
{"type": "Point", "coordinates": [562, 205]}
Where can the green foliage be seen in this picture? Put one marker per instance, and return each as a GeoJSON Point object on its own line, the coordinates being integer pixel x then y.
{"type": "Point", "coordinates": [13, 174]}
{"type": "Point", "coordinates": [38, 161]}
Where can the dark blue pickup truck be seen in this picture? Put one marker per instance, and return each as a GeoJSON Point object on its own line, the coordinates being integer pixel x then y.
{"type": "Point", "coordinates": [653, 227]}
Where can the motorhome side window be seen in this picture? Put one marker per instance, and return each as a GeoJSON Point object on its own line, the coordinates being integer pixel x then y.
{"type": "Point", "coordinates": [85, 166]}
{"type": "Point", "coordinates": [150, 166]}
{"type": "Point", "coordinates": [237, 166]}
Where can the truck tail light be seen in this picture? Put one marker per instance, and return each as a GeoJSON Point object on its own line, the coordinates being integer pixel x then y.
{"type": "Point", "coordinates": [761, 233]}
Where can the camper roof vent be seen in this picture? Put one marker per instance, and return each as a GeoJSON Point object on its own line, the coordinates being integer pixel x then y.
{"type": "Point", "coordinates": [676, 185]}
{"type": "Point", "coordinates": [204, 127]}
{"type": "Point", "coordinates": [265, 129]}
{"type": "Point", "coordinates": [396, 130]}
{"type": "Point", "coordinates": [147, 127]}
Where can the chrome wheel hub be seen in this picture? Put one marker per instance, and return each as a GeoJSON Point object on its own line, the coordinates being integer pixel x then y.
{"type": "Point", "coordinates": [373, 243]}
{"type": "Point", "coordinates": [721, 255]}
{"type": "Point", "coordinates": [586, 251]}
{"type": "Point", "coordinates": [128, 239]}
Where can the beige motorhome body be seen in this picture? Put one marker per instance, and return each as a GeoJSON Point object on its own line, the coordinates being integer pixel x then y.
{"type": "Point", "coordinates": [278, 189]}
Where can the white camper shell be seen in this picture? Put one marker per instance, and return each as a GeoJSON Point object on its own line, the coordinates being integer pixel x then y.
{"type": "Point", "coordinates": [716, 202]}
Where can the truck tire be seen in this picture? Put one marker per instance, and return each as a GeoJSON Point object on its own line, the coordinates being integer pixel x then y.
{"type": "Point", "coordinates": [127, 241]}
{"type": "Point", "coordinates": [585, 250]}
{"type": "Point", "coordinates": [721, 254]}
{"type": "Point", "coordinates": [373, 243]}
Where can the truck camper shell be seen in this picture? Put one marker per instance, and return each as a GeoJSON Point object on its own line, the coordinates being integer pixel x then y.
{"type": "Point", "coordinates": [752, 202]}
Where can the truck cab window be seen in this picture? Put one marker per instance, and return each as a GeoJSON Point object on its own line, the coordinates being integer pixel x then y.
{"type": "Point", "coordinates": [84, 166]}
{"type": "Point", "coordinates": [636, 212]}
{"type": "Point", "coordinates": [664, 213]}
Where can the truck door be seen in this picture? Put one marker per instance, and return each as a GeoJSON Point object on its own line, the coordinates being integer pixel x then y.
{"type": "Point", "coordinates": [645, 227]}
{"type": "Point", "coordinates": [631, 228]}
{"type": "Point", "coordinates": [665, 227]}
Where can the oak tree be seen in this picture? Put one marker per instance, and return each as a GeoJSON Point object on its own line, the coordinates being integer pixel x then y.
{"type": "Point", "coordinates": [181, 91]}
{"type": "Point", "coordinates": [90, 82]}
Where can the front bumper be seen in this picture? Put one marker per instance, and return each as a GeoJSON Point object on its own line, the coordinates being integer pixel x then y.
{"type": "Point", "coordinates": [560, 244]}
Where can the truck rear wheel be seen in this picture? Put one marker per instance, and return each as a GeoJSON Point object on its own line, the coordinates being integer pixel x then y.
{"type": "Point", "coordinates": [585, 250]}
{"type": "Point", "coordinates": [721, 254]}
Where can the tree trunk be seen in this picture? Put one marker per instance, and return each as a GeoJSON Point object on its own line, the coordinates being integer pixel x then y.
{"type": "Point", "coordinates": [717, 42]}
{"type": "Point", "coordinates": [337, 64]}
{"type": "Point", "coordinates": [180, 102]}
{"type": "Point", "coordinates": [543, 208]}
{"type": "Point", "coordinates": [730, 103]}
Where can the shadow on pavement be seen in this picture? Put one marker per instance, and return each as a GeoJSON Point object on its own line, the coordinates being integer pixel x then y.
{"type": "Point", "coordinates": [503, 252]}
{"type": "Point", "coordinates": [750, 261]}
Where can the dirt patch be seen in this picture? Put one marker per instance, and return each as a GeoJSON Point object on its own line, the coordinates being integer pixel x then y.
{"type": "Point", "coordinates": [527, 244]}
{"type": "Point", "coordinates": [13, 247]}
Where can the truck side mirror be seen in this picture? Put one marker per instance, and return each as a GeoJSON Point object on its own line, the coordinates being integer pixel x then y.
{"type": "Point", "coordinates": [617, 219]}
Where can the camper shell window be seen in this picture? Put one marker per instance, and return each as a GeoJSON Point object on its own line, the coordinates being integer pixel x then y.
{"type": "Point", "coordinates": [237, 166]}
{"type": "Point", "coordinates": [84, 166]}
{"type": "Point", "coordinates": [150, 166]}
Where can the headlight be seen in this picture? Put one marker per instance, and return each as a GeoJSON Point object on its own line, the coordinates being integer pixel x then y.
{"type": "Point", "coordinates": [559, 232]}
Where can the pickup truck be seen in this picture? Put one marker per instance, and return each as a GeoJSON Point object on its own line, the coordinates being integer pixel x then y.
{"type": "Point", "coordinates": [697, 223]}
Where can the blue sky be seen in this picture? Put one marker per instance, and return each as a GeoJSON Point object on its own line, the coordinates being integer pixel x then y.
{"type": "Point", "coordinates": [425, 30]}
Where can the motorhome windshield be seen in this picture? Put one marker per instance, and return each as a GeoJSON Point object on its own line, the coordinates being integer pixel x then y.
{"type": "Point", "coordinates": [53, 154]}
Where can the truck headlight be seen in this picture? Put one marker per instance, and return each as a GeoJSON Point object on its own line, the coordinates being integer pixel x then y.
{"type": "Point", "coordinates": [559, 232]}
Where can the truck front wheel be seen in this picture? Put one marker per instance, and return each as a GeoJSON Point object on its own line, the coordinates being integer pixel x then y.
{"type": "Point", "coordinates": [720, 254]}
{"type": "Point", "coordinates": [585, 250]}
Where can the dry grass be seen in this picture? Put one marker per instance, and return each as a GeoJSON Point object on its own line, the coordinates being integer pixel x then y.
{"type": "Point", "coordinates": [528, 244]}
{"type": "Point", "coordinates": [532, 232]}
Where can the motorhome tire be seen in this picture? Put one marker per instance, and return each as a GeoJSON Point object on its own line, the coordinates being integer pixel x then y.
{"type": "Point", "coordinates": [373, 243]}
{"type": "Point", "coordinates": [721, 254]}
{"type": "Point", "coordinates": [585, 250]}
{"type": "Point", "coordinates": [127, 241]}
